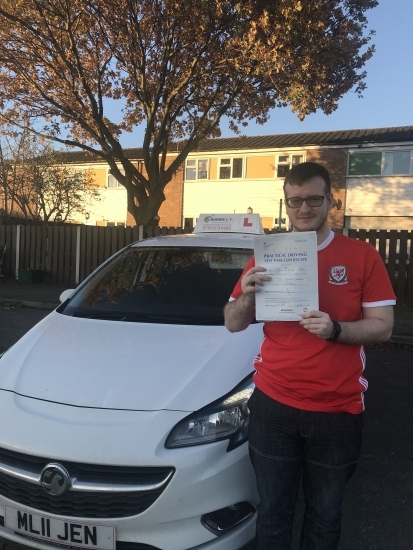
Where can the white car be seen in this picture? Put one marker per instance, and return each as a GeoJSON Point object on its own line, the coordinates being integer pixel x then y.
{"type": "Point", "coordinates": [124, 412]}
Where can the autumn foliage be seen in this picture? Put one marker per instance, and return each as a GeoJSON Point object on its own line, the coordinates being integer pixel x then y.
{"type": "Point", "coordinates": [176, 67]}
{"type": "Point", "coordinates": [36, 184]}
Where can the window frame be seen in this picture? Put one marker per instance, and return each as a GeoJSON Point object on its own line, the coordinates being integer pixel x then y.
{"type": "Point", "coordinates": [110, 175]}
{"type": "Point", "coordinates": [196, 168]}
{"type": "Point", "coordinates": [288, 163]}
{"type": "Point", "coordinates": [230, 165]}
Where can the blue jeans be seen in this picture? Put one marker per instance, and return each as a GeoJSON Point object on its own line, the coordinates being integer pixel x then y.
{"type": "Point", "coordinates": [284, 442]}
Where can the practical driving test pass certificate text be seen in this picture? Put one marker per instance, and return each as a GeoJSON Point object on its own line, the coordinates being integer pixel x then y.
{"type": "Point", "coordinates": [291, 261]}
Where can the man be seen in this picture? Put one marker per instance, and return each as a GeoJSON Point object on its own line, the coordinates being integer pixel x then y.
{"type": "Point", "coordinates": [307, 407]}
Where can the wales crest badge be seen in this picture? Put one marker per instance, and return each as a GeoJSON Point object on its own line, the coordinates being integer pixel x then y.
{"type": "Point", "coordinates": [338, 275]}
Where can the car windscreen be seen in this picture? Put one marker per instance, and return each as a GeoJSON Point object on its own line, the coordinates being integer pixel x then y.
{"type": "Point", "coordinates": [179, 285]}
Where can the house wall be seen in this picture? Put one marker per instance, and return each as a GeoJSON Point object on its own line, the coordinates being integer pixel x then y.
{"type": "Point", "coordinates": [260, 188]}
{"type": "Point", "coordinates": [171, 209]}
{"type": "Point", "coordinates": [335, 160]}
{"type": "Point", "coordinates": [98, 177]}
{"type": "Point", "coordinates": [260, 167]}
{"type": "Point", "coordinates": [110, 206]}
{"type": "Point", "coordinates": [233, 196]}
{"type": "Point", "coordinates": [379, 202]}
{"type": "Point", "coordinates": [381, 196]}
{"type": "Point", "coordinates": [379, 222]}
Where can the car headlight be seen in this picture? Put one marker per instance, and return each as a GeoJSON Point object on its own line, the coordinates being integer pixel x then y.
{"type": "Point", "coordinates": [226, 418]}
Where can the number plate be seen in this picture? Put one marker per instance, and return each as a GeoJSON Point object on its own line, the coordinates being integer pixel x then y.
{"type": "Point", "coordinates": [64, 532]}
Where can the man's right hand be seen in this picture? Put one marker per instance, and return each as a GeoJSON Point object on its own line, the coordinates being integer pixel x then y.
{"type": "Point", "coordinates": [252, 281]}
{"type": "Point", "coordinates": [240, 312]}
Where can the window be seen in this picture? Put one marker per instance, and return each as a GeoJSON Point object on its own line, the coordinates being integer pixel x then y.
{"type": "Point", "coordinates": [285, 162]}
{"type": "Point", "coordinates": [379, 163]}
{"type": "Point", "coordinates": [196, 169]}
{"type": "Point", "coordinates": [368, 164]}
{"type": "Point", "coordinates": [178, 285]}
{"type": "Point", "coordinates": [112, 181]}
{"type": "Point", "coordinates": [114, 224]}
{"type": "Point", "coordinates": [396, 162]}
{"type": "Point", "coordinates": [230, 168]}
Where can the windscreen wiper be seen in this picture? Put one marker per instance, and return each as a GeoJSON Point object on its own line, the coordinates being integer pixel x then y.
{"type": "Point", "coordinates": [100, 315]}
{"type": "Point", "coordinates": [132, 317]}
{"type": "Point", "coordinates": [151, 318]}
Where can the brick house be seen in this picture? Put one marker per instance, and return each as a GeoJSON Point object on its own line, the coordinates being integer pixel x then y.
{"type": "Point", "coordinates": [371, 171]}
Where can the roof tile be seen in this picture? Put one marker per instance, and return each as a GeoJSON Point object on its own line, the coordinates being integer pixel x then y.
{"type": "Point", "coordinates": [276, 141]}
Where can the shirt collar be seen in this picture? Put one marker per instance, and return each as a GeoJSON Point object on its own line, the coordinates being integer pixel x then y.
{"type": "Point", "coordinates": [326, 241]}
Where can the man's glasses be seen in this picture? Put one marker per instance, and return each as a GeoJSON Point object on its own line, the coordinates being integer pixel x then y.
{"type": "Point", "coordinates": [296, 202]}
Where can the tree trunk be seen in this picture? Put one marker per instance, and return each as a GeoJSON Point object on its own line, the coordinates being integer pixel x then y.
{"type": "Point", "coordinates": [146, 211]}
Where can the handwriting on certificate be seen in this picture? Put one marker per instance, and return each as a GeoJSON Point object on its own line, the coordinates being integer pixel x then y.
{"type": "Point", "coordinates": [291, 261]}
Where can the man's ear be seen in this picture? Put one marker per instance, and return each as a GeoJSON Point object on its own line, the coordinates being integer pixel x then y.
{"type": "Point", "coordinates": [336, 203]}
{"type": "Point", "coordinates": [331, 201]}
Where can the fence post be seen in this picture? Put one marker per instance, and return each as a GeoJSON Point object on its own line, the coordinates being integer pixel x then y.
{"type": "Point", "coordinates": [140, 234]}
{"type": "Point", "coordinates": [77, 272]}
{"type": "Point", "coordinates": [18, 227]}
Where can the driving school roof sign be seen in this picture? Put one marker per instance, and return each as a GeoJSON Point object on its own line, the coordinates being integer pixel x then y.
{"type": "Point", "coordinates": [229, 223]}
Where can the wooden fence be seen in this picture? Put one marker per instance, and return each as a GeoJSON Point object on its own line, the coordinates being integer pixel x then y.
{"type": "Point", "coordinates": [395, 248]}
{"type": "Point", "coordinates": [68, 254]}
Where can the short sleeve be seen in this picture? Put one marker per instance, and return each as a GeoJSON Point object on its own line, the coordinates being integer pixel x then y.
{"type": "Point", "coordinates": [377, 288]}
{"type": "Point", "coordinates": [236, 293]}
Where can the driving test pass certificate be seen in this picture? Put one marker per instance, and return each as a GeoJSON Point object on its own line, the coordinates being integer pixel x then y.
{"type": "Point", "coordinates": [291, 261]}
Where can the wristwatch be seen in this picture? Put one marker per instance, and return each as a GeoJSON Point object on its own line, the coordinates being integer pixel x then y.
{"type": "Point", "coordinates": [336, 332]}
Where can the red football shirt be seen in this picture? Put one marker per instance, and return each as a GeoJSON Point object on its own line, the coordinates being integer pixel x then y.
{"type": "Point", "coordinates": [301, 370]}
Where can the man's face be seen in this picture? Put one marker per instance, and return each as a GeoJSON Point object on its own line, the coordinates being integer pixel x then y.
{"type": "Point", "coordinates": [308, 218]}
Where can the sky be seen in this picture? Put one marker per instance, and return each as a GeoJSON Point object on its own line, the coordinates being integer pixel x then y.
{"type": "Point", "coordinates": [387, 101]}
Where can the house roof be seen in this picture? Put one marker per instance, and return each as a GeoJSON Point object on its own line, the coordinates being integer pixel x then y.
{"type": "Point", "coordinates": [339, 137]}
{"type": "Point", "coordinates": [277, 141]}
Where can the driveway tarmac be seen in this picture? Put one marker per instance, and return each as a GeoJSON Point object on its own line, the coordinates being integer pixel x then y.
{"type": "Point", "coordinates": [14, 322]}
{"type": "Point", "coordinates": [378, 508]}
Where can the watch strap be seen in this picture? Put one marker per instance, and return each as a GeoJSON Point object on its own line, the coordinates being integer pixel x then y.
{"type": "Point", "coordinates": [336, 332]}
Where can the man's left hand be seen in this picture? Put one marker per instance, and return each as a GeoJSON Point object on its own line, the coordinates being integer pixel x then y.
{"type": "Point", "coordinates": [318, 323]}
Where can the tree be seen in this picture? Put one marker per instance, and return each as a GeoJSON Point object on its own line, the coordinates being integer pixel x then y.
{"type": "Point", "coordinates": [37, 185]}
{"type": "Point", "coordinates": [176, 67]}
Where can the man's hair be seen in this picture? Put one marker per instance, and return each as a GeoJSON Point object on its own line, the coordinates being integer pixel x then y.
{"type": "Point", "coordinates": [301, 173]}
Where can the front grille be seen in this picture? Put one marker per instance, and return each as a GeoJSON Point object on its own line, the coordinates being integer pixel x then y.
{"type": "Point", "coordinates": [84, 504]}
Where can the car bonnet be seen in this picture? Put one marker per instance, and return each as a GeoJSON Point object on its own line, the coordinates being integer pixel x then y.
{"type": "Point", "coordinates": [127, 365]}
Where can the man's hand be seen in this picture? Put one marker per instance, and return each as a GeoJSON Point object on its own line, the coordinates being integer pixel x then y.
{"type": "Point", "coordinates": [375, 326]}
{"type": "Point", "coordinates": [252, 281]}
{"type": "Point", "coordinates": [240, 312]}
{"type": "Point", "coordinates": [317, 323]}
